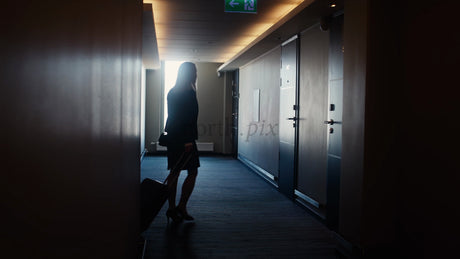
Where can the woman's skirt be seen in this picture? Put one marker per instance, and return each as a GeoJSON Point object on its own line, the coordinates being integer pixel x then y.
{"type": "Point", "coordinates": [178, 159]}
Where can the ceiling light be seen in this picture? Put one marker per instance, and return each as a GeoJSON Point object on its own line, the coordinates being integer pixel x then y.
{"type": "Point", "coordinates": [170, 46]}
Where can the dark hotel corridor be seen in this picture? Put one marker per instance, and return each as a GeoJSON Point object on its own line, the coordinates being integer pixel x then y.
{"type": "Point", "coordinates": [328, 128]}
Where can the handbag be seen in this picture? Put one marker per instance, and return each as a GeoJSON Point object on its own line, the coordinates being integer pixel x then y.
{"type": "Point", "coordinates": [164, 140]}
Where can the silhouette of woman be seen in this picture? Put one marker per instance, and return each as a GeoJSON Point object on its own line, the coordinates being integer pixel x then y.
{"type": "Point", "coordinates": [181, 125]}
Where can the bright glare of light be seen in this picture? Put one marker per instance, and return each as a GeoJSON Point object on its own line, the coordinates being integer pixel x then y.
{"type": "Point", "coordinates": [171, 68]}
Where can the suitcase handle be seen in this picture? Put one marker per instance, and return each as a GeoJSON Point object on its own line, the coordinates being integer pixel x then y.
{"type": "Point", "coordinates": [177, 164]}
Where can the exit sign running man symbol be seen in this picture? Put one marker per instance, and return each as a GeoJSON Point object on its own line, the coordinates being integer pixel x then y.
{"type": "Point", "coordinates": [241, 6]}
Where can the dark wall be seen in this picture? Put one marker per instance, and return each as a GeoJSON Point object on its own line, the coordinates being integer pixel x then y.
{"type": "Point", "coordinates": [398, 183]}
{"type": "Point", "coordinates": [354, 69]}
{"type": "Point", "coordinates": [70, 118]}
{"type": "Point", "coordinates": [428, 176]}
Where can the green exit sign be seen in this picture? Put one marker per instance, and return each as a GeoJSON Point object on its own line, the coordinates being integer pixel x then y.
{"type": "Point", "coordinates": [241, 6]}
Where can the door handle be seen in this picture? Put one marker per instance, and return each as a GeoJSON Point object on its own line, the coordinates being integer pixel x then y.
{"type": "Point", "coordinates": [330, 122]}
{"type": "Point", "coordinates": [292, 119]}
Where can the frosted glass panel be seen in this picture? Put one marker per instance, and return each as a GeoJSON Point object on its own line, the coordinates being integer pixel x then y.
{"type": "Point", "coordinates": [256, 108]}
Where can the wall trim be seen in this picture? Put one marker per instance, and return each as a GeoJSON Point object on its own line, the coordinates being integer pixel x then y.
{"type": "Point", "coordinates": [143, 154]}
{"type": "Point", "coordinates": [296, 36]}
{"type": "Point", "coordinates": [346, 248]}
{"type": "Point", "coordinates": [259, 171]}
{"type": "Point", "coordinates": [201, 146]}
{"type": "Point", "coordinates": [312, 209]}
{"type": "Point", "coordinates": [260, 56]}
{"type": "Point", "coordinates": [306, 198]}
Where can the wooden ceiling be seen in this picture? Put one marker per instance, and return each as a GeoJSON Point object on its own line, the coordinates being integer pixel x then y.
{"type": "Point", "coordinates": [201, 31]}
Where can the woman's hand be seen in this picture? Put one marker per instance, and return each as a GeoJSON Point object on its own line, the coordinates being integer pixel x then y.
{"type": "Point", "coordinates": [188, 147]}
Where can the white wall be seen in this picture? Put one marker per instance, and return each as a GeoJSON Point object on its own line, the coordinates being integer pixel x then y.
{"type": "Point", "coordinates": [210, 95]}
{"type": "Point", "coordinates": [153, 108]}
{"type": "Point", "coordinates": [258, 141]}
{"type": "Point", "coordinates": [212, 102]}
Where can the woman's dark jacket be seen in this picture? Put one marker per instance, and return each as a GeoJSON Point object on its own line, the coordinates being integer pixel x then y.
{"type": "Point", "coordinates": [181, 124]}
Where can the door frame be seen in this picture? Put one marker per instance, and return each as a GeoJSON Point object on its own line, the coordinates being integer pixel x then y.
{"type": "Point", "coordinates": [333, 160]}
{"type": "Point", "coordinates": [287, 183]}
{"type": "Point", "coordinates": [235, 111]}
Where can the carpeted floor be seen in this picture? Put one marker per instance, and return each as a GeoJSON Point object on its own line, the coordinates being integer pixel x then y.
{"type": "Point", "coordinates": [237, 215]}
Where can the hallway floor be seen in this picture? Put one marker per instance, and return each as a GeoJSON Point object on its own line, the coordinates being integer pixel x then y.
{"type": "Point", "coordinates": [237, 215]}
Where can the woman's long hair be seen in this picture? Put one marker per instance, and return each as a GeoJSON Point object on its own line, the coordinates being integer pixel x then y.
{"type": "Point", "coordinates": [186, 76]}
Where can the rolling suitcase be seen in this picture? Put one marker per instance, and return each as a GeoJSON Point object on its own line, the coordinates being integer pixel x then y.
{"type": "Point", "coordinates": [154, 195]}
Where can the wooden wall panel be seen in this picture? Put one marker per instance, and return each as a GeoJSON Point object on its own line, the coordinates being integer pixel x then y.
{"type": "Point", "coordinates": [258, 141]}
{"type": "Point", "coordinates": [70, 113]}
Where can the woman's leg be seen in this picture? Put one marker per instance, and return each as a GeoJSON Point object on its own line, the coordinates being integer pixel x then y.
{"type": "Point", "coordinates": [172, 211]}
{"type": "Point", "coordinates": [172, 185]}
{"type": "Point", "coordinates": [187, 189]}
